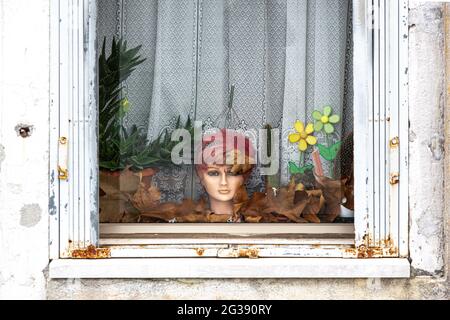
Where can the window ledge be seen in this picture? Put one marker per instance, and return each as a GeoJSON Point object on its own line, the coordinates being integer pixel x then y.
{"type": "Point", "coordinates": [231, 268]}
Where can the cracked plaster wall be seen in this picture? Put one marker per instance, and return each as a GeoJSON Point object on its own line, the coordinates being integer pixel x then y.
{"type": "Point", "coordinates": [24, 162]}
{"type": "Point", "coordinates": [427, 137]}
{"type": "Point", "coordinates": [24, 98]}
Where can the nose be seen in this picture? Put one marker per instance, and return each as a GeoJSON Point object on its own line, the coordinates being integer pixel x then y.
{"type": "Point", "coordinates": [223, 178]}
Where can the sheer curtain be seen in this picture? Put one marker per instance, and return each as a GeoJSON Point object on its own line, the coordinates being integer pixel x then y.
{"type": "Point", "coordinates": [284, 57]}
{"type": "Point", "coordinates": [317, 61]}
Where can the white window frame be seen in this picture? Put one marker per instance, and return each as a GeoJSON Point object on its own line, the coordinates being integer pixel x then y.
{"type": "Point", "coordinates": [381, 175]}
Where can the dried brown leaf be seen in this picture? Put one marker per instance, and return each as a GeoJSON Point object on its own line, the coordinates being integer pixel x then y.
{"type": "Point", "coordinates": [333, 192]}
{"type": "Point", "coordinates": [253, 219]}
{"type": "Point", "coordinates": [283, 203]}
{"type": "Point", "coordinates": [349, 195]}
{"type": "Point", "coordinates": [145, 197]}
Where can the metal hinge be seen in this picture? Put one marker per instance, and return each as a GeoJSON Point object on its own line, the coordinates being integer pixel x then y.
{"type": "Point", "coordinates": [394, 142]}
{"type": "Point", "coordinates": [63, 174]}
{"type": "Point", "coordinates": [63, 171]}
{"type": "Point", "coordinates": [395, 178]}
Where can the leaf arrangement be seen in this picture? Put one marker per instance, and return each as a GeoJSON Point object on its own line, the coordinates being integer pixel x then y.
{"type": "Point", "coordinates": [119, 147]}
{"type": "Point", "coordinates": [286, 205]}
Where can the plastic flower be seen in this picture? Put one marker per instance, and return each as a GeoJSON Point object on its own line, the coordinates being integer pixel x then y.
{"type": "Point", "coordinates": [303, 135]}
{"type": "Point", "coordinates": [325, 120]}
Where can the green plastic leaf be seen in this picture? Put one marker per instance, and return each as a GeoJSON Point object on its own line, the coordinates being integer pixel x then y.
{"type": "Point", "coordinates": [294, 169]}
{"type": "Point", "coordinates": [324, 152]}
{"type": "Point", "coordinates": [329, 153]}
{"type": "Point", "coordinates": [327, 110]}
{"type": "Point", "coordinates": [334, 119]}
{"type": "Point", "coordinates": [317, 115]}
{"type": "Point", "coordinates": [308, 167]}
{"type": "Point", "coordinates": [328, 127]}
{"type": "Point", "coordinates": [336, 147]}
{"type": "Point", "coordinates": [318, 126]}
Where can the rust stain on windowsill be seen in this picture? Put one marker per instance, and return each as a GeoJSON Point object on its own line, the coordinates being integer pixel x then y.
{"type": "Point", "coordinates": [200, 251]}
{"type": "Point", "coordinates": [252, 253]}
{"type": "Point", "coordinates": [382, 248]}
{"type": "Point", "coordinates": [91, 252]}
{"type": "Point", "coordinates": [238, 252]}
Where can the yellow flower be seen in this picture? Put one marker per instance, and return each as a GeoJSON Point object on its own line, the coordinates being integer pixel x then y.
{"type": "Point", "coordinates": [303, 135]}
{"type": "Point", "coordinates": [126, 105]}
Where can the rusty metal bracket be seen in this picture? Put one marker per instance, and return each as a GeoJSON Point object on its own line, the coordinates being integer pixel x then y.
{"type": "Point", "coordinates": [394, 142]}
{"type": "Point", "coordinates": [394, 179]}
{"type": "Point", "coordinates": [63, 171]}
{"type": "Point", "coordinates": [63, 174]}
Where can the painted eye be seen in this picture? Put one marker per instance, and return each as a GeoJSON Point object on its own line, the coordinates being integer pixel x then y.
{"type": "Point", "coordinates": [233, 174]}
{"type": "Point", "coordinates": [213, 173]}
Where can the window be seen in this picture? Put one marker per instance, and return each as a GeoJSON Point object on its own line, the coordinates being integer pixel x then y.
{"type": "Point", "coordinates": [276, 75]}
{"type": "Point", "coordinates": [260, 69]}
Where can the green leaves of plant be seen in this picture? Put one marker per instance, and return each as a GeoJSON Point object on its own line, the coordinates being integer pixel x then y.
{"type": "Point", "coordinates": [329, 153]}
{"type": "Point", "coordinates": [116, 143]}
{"type": "Point", "coordinates": [121, 147]}
{"type": "Point", "coordinates": [294, 169]}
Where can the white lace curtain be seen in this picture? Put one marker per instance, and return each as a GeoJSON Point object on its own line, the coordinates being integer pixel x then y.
{"type": "Point", "coordinates": [285, 58]}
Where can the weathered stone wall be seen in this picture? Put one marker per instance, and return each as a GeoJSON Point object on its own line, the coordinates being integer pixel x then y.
{"type": "Point", "coordinates": [427, 137]}
{"type": "Point", "coordinates": [447, 139]}
{"type": "Point", "coordinates": [24, 162]}
{"type": "Point", "coordinates": [24, 100]}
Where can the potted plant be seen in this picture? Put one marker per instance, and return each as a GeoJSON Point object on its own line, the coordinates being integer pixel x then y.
{"type": "Point", "coordinates": [126, 157]}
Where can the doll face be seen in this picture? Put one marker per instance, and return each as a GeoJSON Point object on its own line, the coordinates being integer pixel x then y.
{"type": "Point", "coordinates": [220, 182]}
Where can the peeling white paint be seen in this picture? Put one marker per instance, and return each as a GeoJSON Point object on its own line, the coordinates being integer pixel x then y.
{"type": "Point", "coordinates": [24, 99]}
{"type": "Point", "coordinates": [30, 215]}
{"type": "Point", "coordinates": [427, 86]}
{"type": "Point", "coordinates": [2, 155]}
{"type": "Point", "coordinates": [24, 130]}
{"type": "Point", "coordinates": [436, 147]}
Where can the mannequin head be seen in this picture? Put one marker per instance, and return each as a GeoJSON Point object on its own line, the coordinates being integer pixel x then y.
{"type": "Point", "coordinates": [228, 159]}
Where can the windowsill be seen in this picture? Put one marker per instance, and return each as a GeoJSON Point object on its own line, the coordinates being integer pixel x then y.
{"type": "Point", "coordinates": [231, 268]}
{"type": "Point", "coordinates": [227, 228]}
